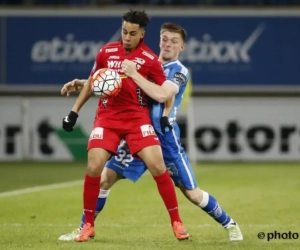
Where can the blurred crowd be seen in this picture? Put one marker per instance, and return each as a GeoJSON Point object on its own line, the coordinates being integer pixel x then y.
{"type": "Point", "coordinates": [152, 2]}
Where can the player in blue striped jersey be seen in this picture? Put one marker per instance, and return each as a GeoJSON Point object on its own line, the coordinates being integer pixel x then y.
{"type": "Point", "coordinates": [164, 120]}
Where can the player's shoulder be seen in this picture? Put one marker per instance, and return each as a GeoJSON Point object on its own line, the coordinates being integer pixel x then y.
{"type": "Point", "coordinates": [176, 72]}
{"type": "Point", "coordinates": [111, 47]}
{"type": "Point", "coordinates": [176, 67]}
{"type": "Point", "coordinates": [148, 53]}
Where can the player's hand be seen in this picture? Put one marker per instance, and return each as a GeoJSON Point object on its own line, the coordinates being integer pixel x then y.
{"type": "Point", "coordinates": [72, 86]}
{"type": "Point", "coordinates": [129, 67]}
{"type": "Point", "coordinates": [164, 124]}
{"type": "Point", "coordinates": [69, 121]}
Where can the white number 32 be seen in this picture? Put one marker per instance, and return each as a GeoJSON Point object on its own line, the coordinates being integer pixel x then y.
{"type": "Point", "coordinates": [124, 157]}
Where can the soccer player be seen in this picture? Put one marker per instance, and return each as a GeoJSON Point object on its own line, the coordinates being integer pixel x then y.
{"type": "Point", "coordinates": [172, 37]}
{"type": "Point", "coordinates": [126, 116]}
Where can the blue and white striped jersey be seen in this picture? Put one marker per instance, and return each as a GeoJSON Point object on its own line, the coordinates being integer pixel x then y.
{"type": "Point", "coordinates": [177, 73]}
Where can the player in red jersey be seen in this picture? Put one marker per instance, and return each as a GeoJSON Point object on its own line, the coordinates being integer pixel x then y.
{"type": "Point", "coordinates": [126, 116]}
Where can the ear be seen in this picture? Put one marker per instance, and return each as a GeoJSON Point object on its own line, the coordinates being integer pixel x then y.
{"type": "Point", "coordinates": [182, 47]}
{"type": "Point", "coordinates": [143, 33]}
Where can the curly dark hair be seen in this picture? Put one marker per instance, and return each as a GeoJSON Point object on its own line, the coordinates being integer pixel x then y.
{"type": "Point", "coordinates": [139, 17]}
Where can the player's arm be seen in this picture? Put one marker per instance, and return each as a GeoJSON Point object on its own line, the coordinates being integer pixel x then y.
{"type": "Point", "coordinates": [164, 120]}
{"type": "Point", "coordinates": [84, 95]}
{"type": "Point", "coordinates": [161, 91]}
{"type": "Point", "coordinates": [168, 106]}
{"type": "Point", "coordinates": [180, 79]}
{"type": "Point", "coordinates": [86, 91]}
{"type": "Point", "coordinates": [73, 86]}
{"type": "Point", "coordinates": [69, 121]}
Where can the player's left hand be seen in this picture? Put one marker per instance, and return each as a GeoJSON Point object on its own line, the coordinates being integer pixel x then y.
{"type": "Point", "coordinates": [164, 124]}
{"type": "Point", "coordinates": [69, 121]}
{"type": "Point", "coordinates": [72, 86]}
{"type": "Point", "coordinates": [129, 67]}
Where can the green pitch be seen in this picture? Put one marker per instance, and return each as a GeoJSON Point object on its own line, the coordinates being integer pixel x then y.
{"type": "Point", "coordinates": [261, 197]}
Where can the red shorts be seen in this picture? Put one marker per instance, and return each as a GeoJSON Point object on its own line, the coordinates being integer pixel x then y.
{"type": "Point", "coordinates": [137, 131]}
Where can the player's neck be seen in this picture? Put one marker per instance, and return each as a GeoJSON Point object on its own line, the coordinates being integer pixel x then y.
{"type": "Point", "coordinates": [166, 61]}
{"type": "Point", "coordinates": [129, 50]}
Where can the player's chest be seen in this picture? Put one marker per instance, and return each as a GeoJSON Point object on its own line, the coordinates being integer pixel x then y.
{"type": "Point", "coordinates": [114, 61]}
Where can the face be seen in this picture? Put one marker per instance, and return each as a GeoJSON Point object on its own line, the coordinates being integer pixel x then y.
{"type": "Point", "coordinates": [171, 44]}
{"type": "Point", "coordinates": [132, 33]}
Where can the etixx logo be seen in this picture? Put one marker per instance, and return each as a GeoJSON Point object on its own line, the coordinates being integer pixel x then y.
{"type": "Point", "coordinates": [209, 50]}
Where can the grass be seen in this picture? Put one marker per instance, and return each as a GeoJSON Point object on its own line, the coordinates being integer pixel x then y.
{"type": "Point", "coordinates": [262, 197]}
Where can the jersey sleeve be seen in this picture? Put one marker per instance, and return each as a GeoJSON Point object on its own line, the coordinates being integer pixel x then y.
{"type": "Point", "coordinates": [157, 74]}
{"type": "Point", "coordinates": [178, 76]}
{"type": "Point", "coordinates": [98, 64]}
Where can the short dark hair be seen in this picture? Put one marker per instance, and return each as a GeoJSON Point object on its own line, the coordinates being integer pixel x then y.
{"type": "Point", "coordinates": [174, 27]}
{"type": "Point", "coordinates": [139, 17]}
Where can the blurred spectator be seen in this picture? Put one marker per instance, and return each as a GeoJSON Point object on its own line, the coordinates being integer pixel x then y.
{"type": "Point", "coordinates": [155, 2]}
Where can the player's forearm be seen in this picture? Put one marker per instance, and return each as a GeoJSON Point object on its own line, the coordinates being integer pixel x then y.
{"type": "Point", "coordinates": [168, 106]}
{"type": "Point", "coordinates": [151, 89]}
{"type": "Point", "coordinates": [82, 82]}
{"type": "Point", "coordinates": [84, 95]}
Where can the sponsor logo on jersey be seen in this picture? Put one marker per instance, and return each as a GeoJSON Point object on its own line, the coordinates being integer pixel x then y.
{"type": "Point", "coordinates": [104, 102]}
{"type": "Point", "coordinates": [114, 64]}
{"type": "Point", "coordinates": [148, 55]}
{"type": "Point", "coordinates": [97, 133]}
{"type": "Point", "coordinates": [114, 57]}
{"type": "Point", "coordinates": [111, 50]}
{"type": "Point", "coordinates": [139, 60]}
{"type": "Point", "coordinates": [147, 130]}
{"type": "Point", "coordinates": [179, 79]}
{"type": "Point", "coordinates": [140, 97]}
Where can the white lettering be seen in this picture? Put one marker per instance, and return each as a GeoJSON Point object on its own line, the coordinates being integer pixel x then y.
{"type": "Point", "coordinates": [67, 50]}
{"type": "Point", "coordinates": [111, 50]}
{"type": "Point", "coordinates": [148, 55]}
{"type": "Point", "coordinates": [207, 50]}
{"type": "Point", "coordinates": [114, 64]}
{"type": "Point", "coordinates": [147, 130]}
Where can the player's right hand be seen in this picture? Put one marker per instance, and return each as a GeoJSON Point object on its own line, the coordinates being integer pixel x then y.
{"type": "Point", "coordinates": [69, 121]}
{"type": "Point", "coordinates": [165, 125]}
{"type": "Point", "coordinates": [72, 86]}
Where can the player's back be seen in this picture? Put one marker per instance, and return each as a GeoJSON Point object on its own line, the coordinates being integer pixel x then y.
{"type": "Point", "coordinates": [131, 97]}
{"type": "Point", "coordinates": [176, 72]}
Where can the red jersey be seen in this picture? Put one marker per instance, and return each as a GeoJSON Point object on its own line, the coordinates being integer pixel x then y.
{"type": "Point", "coordinates": [131, 97]}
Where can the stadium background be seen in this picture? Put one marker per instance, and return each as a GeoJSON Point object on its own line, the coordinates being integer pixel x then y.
{"type": "Point", "coordinates": [245, 79]}
{"type": "Point", "coordinates": [239, 123]}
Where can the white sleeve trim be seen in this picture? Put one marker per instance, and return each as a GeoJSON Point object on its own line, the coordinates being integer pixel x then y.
{"type": "Point", "coordinates": [173, 84]}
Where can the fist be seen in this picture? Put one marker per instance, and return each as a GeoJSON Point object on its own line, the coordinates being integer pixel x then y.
{"type": "Point", "coordinates": [129, 67]}
{"type": "Point", "coordinates": [69, 121]}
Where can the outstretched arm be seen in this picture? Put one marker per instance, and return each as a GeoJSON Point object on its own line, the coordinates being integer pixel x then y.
{"type": "Point", "coordinates": [84, 95]}
{"type": "Point", "coordinates": [73, 86]}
